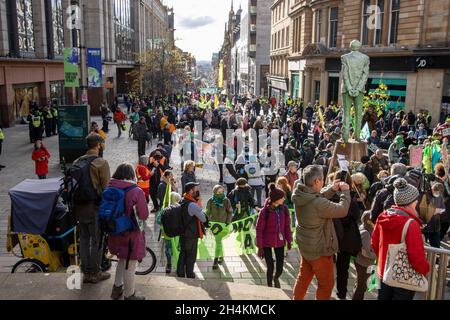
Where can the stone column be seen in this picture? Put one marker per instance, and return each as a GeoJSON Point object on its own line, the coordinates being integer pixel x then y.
{"type": "Point", "coordinates": [40, 31]}
{"type": "Point", "coordinates": [308, 79]}
{"type": "Point", "coordinates": [323, 88]}
{"type": "Point", "coordinates": [4, 44]}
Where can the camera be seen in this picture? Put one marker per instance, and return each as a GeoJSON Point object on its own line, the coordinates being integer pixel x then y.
{"type": "Point", "coordinates": [343, 176]}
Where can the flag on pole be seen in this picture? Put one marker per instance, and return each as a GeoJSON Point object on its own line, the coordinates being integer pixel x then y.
{"type": "Point", "coordinates": [321, 119]}
{"type": "Point", "coordinates": [216, 100]}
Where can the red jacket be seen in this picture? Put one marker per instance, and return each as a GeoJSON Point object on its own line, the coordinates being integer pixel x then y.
{"type": "Point", "coordinates": [268, 231]}
{"type": "Point", "coordinates": [119, 116]}
{"type": "Point", "coordinates": [41, 166]}
{"type": "Point", "coordinates": [388, 230]}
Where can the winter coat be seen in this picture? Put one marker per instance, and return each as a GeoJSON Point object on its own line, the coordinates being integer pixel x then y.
{"type": "Point", "coordinates": [388, 230]}
{"type": "Point", "coordinates": [292, 178]}
{"type": "Point", "coordinates": [216, 214]}
{"type": "Point", "coordinates": [316, 236]}
{"type": "Point", "coordinates": [347, 231]}
{"type": "Point", "coordinates": [41, 165]}
{"type": "Point", "coordinates": [366, 257]}
{"type": "Point", "coordinates": [187, 177]}
{"type": "Point", "coordinates": [119, 244]}
{"type": "Point", "coordinates": [268, 230]}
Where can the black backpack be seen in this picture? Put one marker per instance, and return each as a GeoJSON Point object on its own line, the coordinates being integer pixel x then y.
{"type": "Point", "coordinates": [78, 178]}
{"type": "Point", "coordinates": [174, 219]}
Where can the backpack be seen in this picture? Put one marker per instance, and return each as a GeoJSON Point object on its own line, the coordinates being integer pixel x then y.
{"type": "Point", "coordinates": [174, 219]}
{"type": "Point", "coordinates": [79, 179]}
{"type": "Point", "coordinates": [112, 216]}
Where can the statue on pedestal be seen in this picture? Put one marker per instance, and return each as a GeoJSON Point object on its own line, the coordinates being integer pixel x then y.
{"type": "Point", "coordinates": [355, 72]}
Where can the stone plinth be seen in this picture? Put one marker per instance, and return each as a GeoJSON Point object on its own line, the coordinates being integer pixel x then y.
{"type": "Point", "coordinates": [352, 150]}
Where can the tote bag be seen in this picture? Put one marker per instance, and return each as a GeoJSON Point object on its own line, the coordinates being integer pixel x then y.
{"type": "Point", "coordinates": [398, 272]}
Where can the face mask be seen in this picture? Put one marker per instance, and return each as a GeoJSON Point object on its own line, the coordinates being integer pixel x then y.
{"type": "Point", "coordinates": [219, 196]}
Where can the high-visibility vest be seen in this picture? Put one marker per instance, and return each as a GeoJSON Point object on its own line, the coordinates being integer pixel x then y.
{"type": "Point", "coordinates": [141, 183]}
{"type": "Point", "coordinates": [36, 120]}
{"type": "Point", "coordinates": [2, 135]}
{"type": "Point", "coordinates": [49, 115]}
{"type": "Point", "coordinates": [55, 113]}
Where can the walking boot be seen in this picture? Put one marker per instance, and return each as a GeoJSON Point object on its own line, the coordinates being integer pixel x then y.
{"type": "Point", "coordinates": [100, 276]}
{"type": "Point", "coordinates": [168, 268]}
{"type": "Point", "coordinates": [269, 281]}
{"type": "Point", "coordinates": [276, 282]}
{"type": "Point", "coordinates": [216, 264]}
{"type": "Point", "coordinates": [117, 292]}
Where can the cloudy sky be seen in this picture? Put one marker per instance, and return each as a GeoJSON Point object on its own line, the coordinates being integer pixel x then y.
{"type": "Point", "coordinates": [200, 25]}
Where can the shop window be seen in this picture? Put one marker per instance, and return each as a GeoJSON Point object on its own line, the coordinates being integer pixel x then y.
{"type": "Point", "coordinates": [23, 100]}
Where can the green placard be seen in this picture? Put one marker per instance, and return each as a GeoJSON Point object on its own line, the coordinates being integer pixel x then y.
{"type": "Point", "coordinates": [71, 78]}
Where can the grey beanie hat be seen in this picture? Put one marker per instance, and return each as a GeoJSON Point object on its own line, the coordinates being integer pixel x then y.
{"type": "Point", "coordinates": [404, 193]}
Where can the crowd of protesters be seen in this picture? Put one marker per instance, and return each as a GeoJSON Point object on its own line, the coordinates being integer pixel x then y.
{"type": "Point", "coordinates": [341, 216]}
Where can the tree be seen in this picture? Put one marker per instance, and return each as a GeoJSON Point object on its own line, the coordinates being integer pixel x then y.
{"type": "Point", "coordinates": [163, 70]}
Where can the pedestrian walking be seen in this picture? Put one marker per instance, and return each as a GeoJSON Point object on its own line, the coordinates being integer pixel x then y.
{"type": "Point", "coordinates": [129, 247]}
{"type": "Point", "coordinates": [273, 233]}
{"type": "Point", "coordinates": [140, 131]}
{"type": "Point", "coordinates": [40, 156]}
{"type": "Point", "coordinates": [188, 174]}
{"type": "Point", "coordinates": [120, 118]}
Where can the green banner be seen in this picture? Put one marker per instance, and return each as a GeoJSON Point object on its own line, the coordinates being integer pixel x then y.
{"type": "Point", "coordinates": [71, 78]}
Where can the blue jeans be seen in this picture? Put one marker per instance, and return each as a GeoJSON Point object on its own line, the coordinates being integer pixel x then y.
{"type": "Point", "coordinates": [390, 293]}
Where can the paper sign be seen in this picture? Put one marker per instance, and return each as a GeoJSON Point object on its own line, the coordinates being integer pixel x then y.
{"type": "Point", "coordinates": [415, 156]}
{"type": "Point", "coordinates": [343, 164]}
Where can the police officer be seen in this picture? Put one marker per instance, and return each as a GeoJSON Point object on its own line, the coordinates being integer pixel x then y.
{"type": "Point", "coordinates": [48, 121]}
{"type": "Point", "coordinates": [36, 125]}
{"type": "Point", "coordinates": [54, 111]}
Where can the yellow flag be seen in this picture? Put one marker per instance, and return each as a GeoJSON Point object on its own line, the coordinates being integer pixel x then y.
{"type": "Point", "coordinates": [216, 100]}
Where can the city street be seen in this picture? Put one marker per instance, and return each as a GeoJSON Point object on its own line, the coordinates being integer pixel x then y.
{"type": "Point", "coordinates": [237, 269]}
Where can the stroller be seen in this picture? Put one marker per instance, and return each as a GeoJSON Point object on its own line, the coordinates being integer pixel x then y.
{"type": "Point", "coordinates": [42, 227]}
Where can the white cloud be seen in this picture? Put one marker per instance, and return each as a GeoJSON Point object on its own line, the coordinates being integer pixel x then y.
{"type": "Point", "coordinates": [205, 38]}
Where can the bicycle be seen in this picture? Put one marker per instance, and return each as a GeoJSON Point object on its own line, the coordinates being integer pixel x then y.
{"type": "Point", "coordinates": [144, 267]}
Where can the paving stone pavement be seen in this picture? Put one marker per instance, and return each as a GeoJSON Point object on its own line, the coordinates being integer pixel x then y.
{"type": "Point", "coordinates": [239, 269]}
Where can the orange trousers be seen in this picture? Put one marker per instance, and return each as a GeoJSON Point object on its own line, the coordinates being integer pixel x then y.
{"type": "Point", "coordinates": [323, 269]}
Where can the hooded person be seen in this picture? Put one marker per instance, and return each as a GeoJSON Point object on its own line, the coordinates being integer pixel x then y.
{"type": "Point", "coordinates": [273, 233]}
{"type": "Point", "coordinates": [218, 209]}
{"type": "Point", "coordinates": [388, 230]}
{"type": "Point", "coordinates": [241, 200]}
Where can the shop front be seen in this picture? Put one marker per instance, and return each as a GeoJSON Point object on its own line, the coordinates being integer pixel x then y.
{"type": "Point", "coordinates": [278, 87]}
{"type": "Point", "coordinates": [25, 96]}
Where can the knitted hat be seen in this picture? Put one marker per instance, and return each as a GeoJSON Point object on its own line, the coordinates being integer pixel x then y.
{"type": "Point", "coordinates": [275, 194]}
{"type": "Point", "coordinates": [404, 193]}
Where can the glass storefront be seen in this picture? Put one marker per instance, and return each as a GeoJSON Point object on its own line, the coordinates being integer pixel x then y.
{"type": "Point", "coordinates": [57, 92]}
{"type": "Point", "coordinates": [24, 96]}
